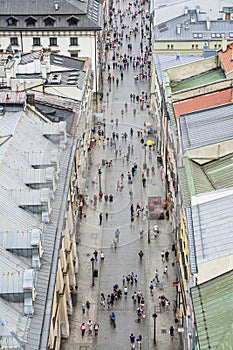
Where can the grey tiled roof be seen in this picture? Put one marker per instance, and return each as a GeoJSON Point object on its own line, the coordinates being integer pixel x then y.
{"type": "Point", "coordinates": [87, 12]}
{"type": "Point", "coordinates": [192, 31]}
{"type": "Point", "coordinates": [206, 127]}
{"type": "Point", "coordinates": [212, 221]}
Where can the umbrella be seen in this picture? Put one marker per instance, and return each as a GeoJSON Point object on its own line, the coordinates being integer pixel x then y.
{"type": "Point", "coordinates": [149, 143]}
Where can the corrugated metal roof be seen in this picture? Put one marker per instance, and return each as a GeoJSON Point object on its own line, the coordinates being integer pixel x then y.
{"type": "Point", "coordinates": [37, 176]}
{"type": "Point", "coordinates": [213, 308]}
{"type": "Point", "coordinates": [20, 239]}
{"type": "Point", "coordinates": [212, 224]}
{"type": "Point", "coordinates": [207, 126]}
{"type": "Point", "coordinates": [12, 322]}
{"type": "Point", "coordinates": [11, 263]}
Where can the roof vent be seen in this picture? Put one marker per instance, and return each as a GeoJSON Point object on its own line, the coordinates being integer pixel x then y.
{"type": "Point", "coordinates": [1, 111]}
{"type": "Point", "coordinates": [56, 5]}
{"type": "Point", "coordinates": [208, 24]}
{"type": "Point", "coordinates": [224, 44]}
{"type": "Point", "coordinates": [186, 10]}
{"type": "Point", "coordinates": [178, 29]}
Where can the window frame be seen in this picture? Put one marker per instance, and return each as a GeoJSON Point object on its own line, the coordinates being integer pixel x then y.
{"type": "Point", "coordinates": [55, 40]}
{"type": "Point", "coordinates": [14, 41]}
{"type": "Point", "coordinates": [75, 39]}
{"type": "Point", "coordinates": [34, 39]}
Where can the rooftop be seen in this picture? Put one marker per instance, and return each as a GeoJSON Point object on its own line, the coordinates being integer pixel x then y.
{"type": "Point", "coordinates": [226, 58]}
{"type": "Point", "coordinates": [214, 99]}
{"type": "Point", "coordinates": [163, 62]}
{"type": "Point", "coordinates": [206, 127]}
{"type": "Point", "coordinates": [211, 176]}
{"type": "Point", "coordinates": [212, 217]}
{"type": "Point", "coordinates": [213, 308]}
{"type": "Point", "coordinates": [205, 78]}
{"type": "Point", "coordinates": [191, 27]}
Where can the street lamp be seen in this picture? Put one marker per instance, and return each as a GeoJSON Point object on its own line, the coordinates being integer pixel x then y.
{"type": "Point", "coordinates": [154, 317]}
{"type": "Point", "coordinates": [92, 271]}
{"type": "Point", "coordinates": [144, 165]}
{"type": "Point", "coordinates": [100, 172]}
{"type": "Point", "coordinates": [148, 225]}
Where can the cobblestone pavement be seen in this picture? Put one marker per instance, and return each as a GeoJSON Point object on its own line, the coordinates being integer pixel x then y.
{"type": "Point", "coordinates": [124, 259]}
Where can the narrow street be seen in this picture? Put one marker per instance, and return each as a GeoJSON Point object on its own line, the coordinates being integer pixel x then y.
{"type": "Point", "coordinates": [124, 259]}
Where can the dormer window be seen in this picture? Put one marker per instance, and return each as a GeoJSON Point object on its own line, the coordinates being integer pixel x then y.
{"type": "Point", "coordinates": [49, 21]}
{"type": "Point", "coordinates": [12, 21]}
{"type": "Point", "coordinates": [30, 21]}
{"type": "Point", "coordinates": [72, 21]}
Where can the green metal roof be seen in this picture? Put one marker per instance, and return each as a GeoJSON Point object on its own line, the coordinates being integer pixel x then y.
{"type": "Point", "coordinates": [214, 175]}
{"type": "Point", "coordinates": [213, 311]}
{"type": "Point", "coordinates": [208, 77]}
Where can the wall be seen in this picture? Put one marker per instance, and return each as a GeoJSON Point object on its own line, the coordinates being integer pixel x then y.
{"type": "Point", "coordinates": [214, 268]}
{"type": "Point", "coordinates": [214, 151]}
{"type": "Point", "coordinates": [188, 70]}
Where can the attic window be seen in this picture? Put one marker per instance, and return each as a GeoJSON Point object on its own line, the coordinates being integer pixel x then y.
{"type": "Point", "coordinates": [213, 35]}
{"type": "Point", "coordinates": [195, 35]}
{"type": "Point", "coordinates": [73, 21]}
{"type": "Point", "coordinates": [231, 35]}
{"type": "Point", "coordinates": [49, 22]}
{"type": "Point", "coordinates": [12, 21]}
{"type": "Point", "coordinates": [30, 21]}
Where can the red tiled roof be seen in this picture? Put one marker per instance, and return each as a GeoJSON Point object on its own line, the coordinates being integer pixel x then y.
{"type": "Point", "coordinates": [214, 99]}
{"type": "Point", "coordinates": [226, 58]}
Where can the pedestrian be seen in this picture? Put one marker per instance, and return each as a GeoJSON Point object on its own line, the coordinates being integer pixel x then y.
{"type": "Point", "coordinates": [117, 234]}
{"type": "Point", "coordinates": [165, 271]}
{"type": "Point", "coordinates": [167, 255]}
{"type": "Point", "coordinates": [82, 329]}
{"type": "Point", "coordinates": [139, 313]}
{"type": "Point", "coordinates": [106, 198]}
{"type": "Point", "coordinates": [148, 172]}
{"type": "Point", "coordinates": [171, 332]}
{"type": "Point", "coordinates": [123, 280]}
{"type": "Point", "coordinates": [102, 256]}
{"type": "Point", "coordinates": [143, 182]}
{"type": "Point", "coordinates": [100, 218]}
{"type": "Point", "coordinates": [139, 341]}
{"type": "Point", "coordinates": [140, 255]}
{"type": "Point", "coordinates": [96, 328]}
{"type": "Point", "coordinates": [110, 198]}
{"type": "Point", "coordinates": [102, 299]}
{"type": "Point", "coordinates": [106, 216]}
{"type": "Point", "coordinates": [132, 341]}
{"type": "Point", "coordinates": [95, 254]}
{"type": "Point", "coordinates": [109, 301]}
{"type": "Point", "coordinates": [139, 296]}
{"type": "Point", "coordinates": [163, 256]}
{"type": "Point", "coordinates": [134, 297]}
{"type": "Point", "coordinates": [153, 170]}
{"type": "Point", "coordinates": [90, 327]}
{"type": "Point", "coordinates": [88, 305]}
{"type": "Point", "coordinates": [114, 243]}
{"type": "Point", "coordinates": [83, 308]}
{"type": "Point", "coordinates": [151, 287]}
{"type": "Point", "coordinates": [125, 291]}
{"type": "Point", "coordinates": [156, 276]}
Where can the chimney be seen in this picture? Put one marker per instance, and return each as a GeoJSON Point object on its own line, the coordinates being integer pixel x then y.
{"type": "Point", "coordinates": [224, 44]}
{"type": "Point", "coordinates": [208, 23]}
{"type": "Point", "coordinates": [56, 5]}
{"type": "Point", "coordinates": [31, 99]}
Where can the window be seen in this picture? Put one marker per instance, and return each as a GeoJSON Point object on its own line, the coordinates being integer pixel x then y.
{"type": "Point", "coordinates": [12, 21]}
{"type": "Point", "coordinates": [172, 47]}
{"type": "Point", "coordinates": [197, 46]}
{"type": "Point", "coordinates": [14, 41]}
{"type": "Point", "coordinates": [74, 54]}
{"type": "Point", "coordinates": [72, 21]}
{"type": "Point", "coordinates": [30, 22]}
{"type": "Point", "coordinates": [36, 41]}
{"type": "Point", "coordinates": [193, 46]}
{"type": "Point", "coordinates": [53, 41]}
{"type": "Point", "coordinates": [49, 22]}
{"type": "Point", "coordinates": [168, 46]}
{"type": "Point", "coordinates": [73, 41]}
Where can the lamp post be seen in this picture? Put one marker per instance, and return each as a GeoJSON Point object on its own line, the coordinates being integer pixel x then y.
{"type": "Point", "coordinates": [100, 172]}
{"type": "Point", "coordinates": [92, 271]}
{"type": "Point", "coordinates": [144, 164]}
{"type": "Point", "coordinates": [154, 317]}
{"type": "Point", "coordinates": [148, 225]}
